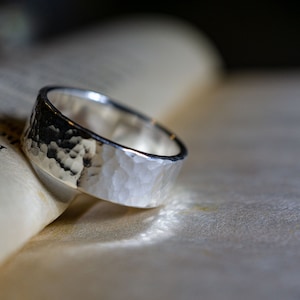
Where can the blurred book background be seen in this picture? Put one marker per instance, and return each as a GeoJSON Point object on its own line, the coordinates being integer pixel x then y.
{"type": "Point", "coordinates": [247, 34]}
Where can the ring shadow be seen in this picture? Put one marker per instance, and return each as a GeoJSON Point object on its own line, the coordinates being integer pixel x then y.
{"type": "Point", "coordinates": [90, 220]}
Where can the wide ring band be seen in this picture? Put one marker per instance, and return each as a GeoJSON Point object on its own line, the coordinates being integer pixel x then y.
{"type": "Point", "coordinates": [91, 143]}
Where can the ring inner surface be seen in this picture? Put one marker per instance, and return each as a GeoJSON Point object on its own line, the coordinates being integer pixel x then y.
{"type": "Point", "coordinates": [113, 123]}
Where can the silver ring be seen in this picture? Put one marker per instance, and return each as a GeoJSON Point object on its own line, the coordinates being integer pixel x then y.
{"type": "Point", "coordinates": [85, 141]}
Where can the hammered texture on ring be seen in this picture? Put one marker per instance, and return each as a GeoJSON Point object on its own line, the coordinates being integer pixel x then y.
{"type": "Point", "coordinates": [95, 145]}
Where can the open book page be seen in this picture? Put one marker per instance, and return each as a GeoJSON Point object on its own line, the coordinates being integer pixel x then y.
{"type": "Point", "coordinates": [150, 63]}
{"type": "Point", "coordinates": [230, 232]}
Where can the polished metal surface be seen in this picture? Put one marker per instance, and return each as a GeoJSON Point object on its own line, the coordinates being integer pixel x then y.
{"type": "Point", "coordinates": [95, 145]}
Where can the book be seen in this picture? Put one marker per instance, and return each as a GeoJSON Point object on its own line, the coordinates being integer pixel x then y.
{"type": "Point", "coordinates": [152, 63]}
{"type": "Point", "coordinates": [231, 227]}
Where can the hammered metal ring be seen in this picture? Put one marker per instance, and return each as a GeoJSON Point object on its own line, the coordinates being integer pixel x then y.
{"type": "Point", "coordinates": [86, 141]}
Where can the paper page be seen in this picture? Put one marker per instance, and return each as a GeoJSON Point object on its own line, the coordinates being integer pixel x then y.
{"type": "Point", "coordinates": [150, 63]}
{"type": "Point", "coordinates": [230, 232]}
